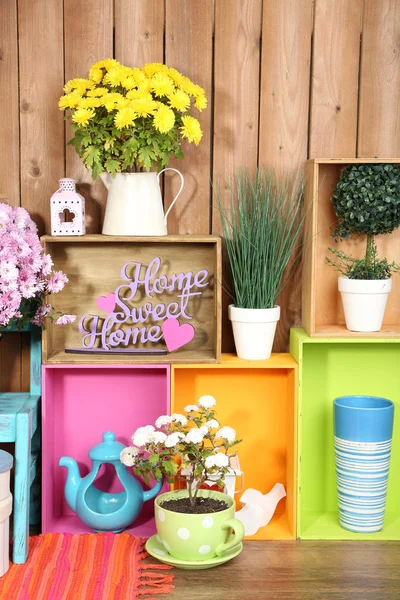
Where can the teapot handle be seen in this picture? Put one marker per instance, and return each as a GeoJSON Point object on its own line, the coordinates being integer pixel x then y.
{"type": "Point", "coordinates": [178, 194]}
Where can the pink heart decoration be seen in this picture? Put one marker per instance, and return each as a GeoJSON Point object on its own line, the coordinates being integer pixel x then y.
{"type": "Point", "coordinates": [176, 335]}
{"type": "Point", "coordinates": [106, 303]}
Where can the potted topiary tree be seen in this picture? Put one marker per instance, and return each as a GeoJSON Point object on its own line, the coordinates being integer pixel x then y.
{"type": "Point", "coordinates": [367, 201]}
{"type": "Point", "coordinates": [261, 223]}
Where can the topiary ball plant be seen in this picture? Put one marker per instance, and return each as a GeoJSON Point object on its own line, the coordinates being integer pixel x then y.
{"type": "Point", "coordinates": [367, 201]}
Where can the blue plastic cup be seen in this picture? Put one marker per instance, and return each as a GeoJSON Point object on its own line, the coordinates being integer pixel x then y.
{"type": "Point", "coordinates": [363, 439]}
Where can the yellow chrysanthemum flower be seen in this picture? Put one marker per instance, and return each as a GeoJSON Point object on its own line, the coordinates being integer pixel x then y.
{"type": "Point", "coordinates": [129, 83]}
{"type": "Point", "coordinates": [138, 75]}
{"type": "Point", "coordinates": [162, 85]}
{"type": "Point", "coordinates": [70, 100]}
{"type": "Point", "coordinates": [176, 77]}
{"type": "Point", "coordinates": [145, 86]}
{"type": "Point", "coordinates": [191, 130]}
{"type": "Point", "coordinates": [164, 119]}
{"type": "Point", "coordinates": [111, 99]}
{"type": "Point", "coordinates": [151, 68]}
{"type": "Point", "coordinates": [198, 90]}
{"type": "Point", "coordinates": [89, 103]}
{"type": "Point", "coordinates": [133, 94]}
{"type": "Point", "coordinates": [200, 103]}
{"type": "Point", "coordinates": [108, 63]}
{"type": "Point", "coordinates": [95, 74]}
{"type": "Point", "coordinates": [122, 103]}
{"type": "Point", "coordinates": [189, 87]}
{"type": "Point", "coordinates": [82, 116]}
{"type": "Point", "coordinates": [124, 117]}
{"type": "Point", "coordinates": [179, 100]}
{"type": "Point", "coordinates": [97, 92]}
{"type": "Point", "coordinates": [144, 107]}
{"type": "Point", "coordinates": [78, 84]}
{"type": "Point", "coordinates": [117, 75]}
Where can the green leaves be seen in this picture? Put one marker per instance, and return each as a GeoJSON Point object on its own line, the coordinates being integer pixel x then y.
{"type": "Point", "coordinates": [359, 268]}
{"type": "Point", "coordinates": [147, 156]}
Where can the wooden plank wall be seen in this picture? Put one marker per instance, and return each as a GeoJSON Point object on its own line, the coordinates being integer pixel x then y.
{"type": "Point", "coordinates": [285, 79]}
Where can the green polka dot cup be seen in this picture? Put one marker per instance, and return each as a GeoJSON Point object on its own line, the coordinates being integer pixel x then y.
{"type": "Point", "coordinates": [197, 537]}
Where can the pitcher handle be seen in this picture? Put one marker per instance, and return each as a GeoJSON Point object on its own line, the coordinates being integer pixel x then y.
{"type": "Point", "coordinates": [178, 194]}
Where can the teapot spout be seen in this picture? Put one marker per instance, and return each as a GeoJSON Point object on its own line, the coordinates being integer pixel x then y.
{"type": "Point", "coordinates": [106, 179]}
{"type": "Point", "coordinates": [152, 493]}
{"type": "Point", "coordinates": [72, 482]}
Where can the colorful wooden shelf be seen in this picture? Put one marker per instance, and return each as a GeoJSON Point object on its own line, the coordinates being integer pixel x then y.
{"type": "Point", "coordinates": [79, 403]}
{"type": "Point", "coordinates": [258, 399]}
{"type": "Point", "coordinates": [322, 305]}
{"type": "Point", "coordinates": [330, 367]}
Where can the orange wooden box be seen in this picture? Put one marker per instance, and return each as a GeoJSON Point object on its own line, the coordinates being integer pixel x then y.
{"type": "Point", "coordinates": [93, 265]}
{"type": "Point", "coordinates": [259, 400]}
{"type": "Point", "coordinates": [322, 304]}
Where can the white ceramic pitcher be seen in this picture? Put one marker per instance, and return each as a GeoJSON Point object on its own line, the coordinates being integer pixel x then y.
{"type": "Point", "coordinates": [134, 204]}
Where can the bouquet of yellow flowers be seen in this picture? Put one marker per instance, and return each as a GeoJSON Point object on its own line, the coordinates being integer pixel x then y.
{"type": "Point", "coordinates": [129, 119]}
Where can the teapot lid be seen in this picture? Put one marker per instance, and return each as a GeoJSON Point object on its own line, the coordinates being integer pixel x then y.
{"type": "Point", "coordinates": [108, 450]}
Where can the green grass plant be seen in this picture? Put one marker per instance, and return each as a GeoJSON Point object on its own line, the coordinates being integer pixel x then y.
{"type": "Point", "coordinates": [262, 223]}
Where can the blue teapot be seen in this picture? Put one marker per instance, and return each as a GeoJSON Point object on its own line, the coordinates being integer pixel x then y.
{"type": "Point", "coordinates": [103, 511]}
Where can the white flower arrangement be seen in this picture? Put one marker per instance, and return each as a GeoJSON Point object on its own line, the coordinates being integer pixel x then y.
{"type": "Point", "coordinates": [192, 440]}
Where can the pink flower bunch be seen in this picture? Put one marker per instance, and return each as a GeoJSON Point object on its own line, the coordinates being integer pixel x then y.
{"type": "Point", "coordinates": [25, 272]}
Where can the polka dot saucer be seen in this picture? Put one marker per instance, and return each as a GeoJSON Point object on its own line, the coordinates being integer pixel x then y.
{"type": "Point", "coordinates": [157, 550]}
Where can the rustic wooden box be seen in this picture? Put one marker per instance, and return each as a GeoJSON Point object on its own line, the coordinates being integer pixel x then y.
{"type": "Point", "coordinates": [93, 264]}
{"type": "Point", "coordinates": [322, 304]}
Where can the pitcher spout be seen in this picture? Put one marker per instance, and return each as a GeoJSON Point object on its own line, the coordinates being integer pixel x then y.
{"type": "Point", "coordinates": [72, 482]}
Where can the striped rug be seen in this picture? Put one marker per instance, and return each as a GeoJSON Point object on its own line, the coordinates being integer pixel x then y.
{"type": "Point", "coordinates": [98, 566]}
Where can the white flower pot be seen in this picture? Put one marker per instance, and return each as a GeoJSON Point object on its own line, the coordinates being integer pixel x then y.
{"type": "Point", "coordinates": [134, 204]}
{"type": "Point", "coordinates": [254, 331]}
{"type": "Point", "coordinates": [364, 302]}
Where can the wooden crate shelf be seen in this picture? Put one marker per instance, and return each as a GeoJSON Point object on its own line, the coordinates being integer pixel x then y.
{"type": "Point", "coordinates": [328, 368]}
{"type": "Point", "coordinates": [79, 403]}
{"type": "Point", "coordinates": [322, 305]}
{"type": "Point", "coordinates": [258, 399]}
{"type": "Point", "coordinates": [93, 265]}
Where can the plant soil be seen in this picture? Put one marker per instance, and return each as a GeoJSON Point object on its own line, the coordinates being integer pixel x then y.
{"type": "Point", "coordinates": [202, 505]}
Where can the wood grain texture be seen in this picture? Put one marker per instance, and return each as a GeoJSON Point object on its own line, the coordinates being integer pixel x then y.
{"type": "Point", "coordinates": [88, 37]}
{"type": "Point", "coordinates": [9, 119]}
{"type": "Point", "coordinates": [379, 116]}
{"type": "Point", "coordinates": [335, 70]}
{"type": "Point", "coordinates": [188, 48]}
{"type": "Point", "coordinates": [298, 571]}
{"type": "Point", "coordinates": [284, 105]}
{"type": "Point", "coordinates": [41, 122]}
{"type": "Point", "coordinates": [139, 31]}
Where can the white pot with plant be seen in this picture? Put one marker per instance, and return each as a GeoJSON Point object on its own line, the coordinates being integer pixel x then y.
{"type": "Point", "coordinates": [261, 223]}
{"type": "Point", "coordinates": [367, 201]}
{"type": "Point", "coordinates": [127, 124]}
{"type": "Point", "coordinates": [195, 527]}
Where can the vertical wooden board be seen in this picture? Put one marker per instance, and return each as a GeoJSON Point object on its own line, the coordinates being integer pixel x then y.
{"type": "Point", "coordinates": [40, 26]}
{"type": "Point", "coordinates": [139, 32]}
{"type": "Point", "coordinates": [379, 114]}
{"type": "Point", "coordinates": [334, 83]}
{"type": "Point", "coordinates": [10, 362]}
{"type": "Point", "coordinates": [9, 122]}
{"type": "Point", "coordinates": [88, 37]}
{"type": "Point", "coordinates": [236, 98]}
{"type": "Point", "coordinates": [188, 48]}
{"type": "Point", "coordinates": [236, 91]}
{"type": "Point", "coordinates": [284, 106]}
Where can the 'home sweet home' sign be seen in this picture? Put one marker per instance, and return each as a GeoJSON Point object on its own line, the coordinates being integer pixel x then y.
{"type": "Point", "coordinates": [137, 299]}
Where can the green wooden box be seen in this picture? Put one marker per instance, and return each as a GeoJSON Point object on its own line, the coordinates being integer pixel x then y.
{"type": "Point", "coordinates": [328, 368]}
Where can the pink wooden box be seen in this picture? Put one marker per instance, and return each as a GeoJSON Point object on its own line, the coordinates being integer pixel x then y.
{"type": "Point", "coordinates": [79, 403]}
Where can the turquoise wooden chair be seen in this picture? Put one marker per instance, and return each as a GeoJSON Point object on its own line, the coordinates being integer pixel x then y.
{"type": "Point", "coordinates": [19, 420]}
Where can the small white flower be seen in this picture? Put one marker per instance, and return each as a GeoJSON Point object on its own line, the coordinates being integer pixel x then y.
{"type": "Point", "coordinates": [173, 439]}
{"type": "Point", "coordinates": [226, 433]}
{"type": "Point", "coordinates": [203, 429]}
{"type": "Point", "coordinates": [128, 455]}
{"type": "Point", "coordinates": [157, 437]}
{"type": "Point", "coordinates": [163, 420]}
{"type": "Point", "coordinates": [212, 424]}
{"type": "Point", "coordinates": [217, 460]}
{"type": "Point", "coordinates": [206, 401]}
{"type": "Point", "coordinates": [179, 418]}
{"type": "Point", "coordinates": [191, 408]}
{"type": "Point", "coordinates": [194, 436]}
{"type": "Point", "coordinates": [141, 437]}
